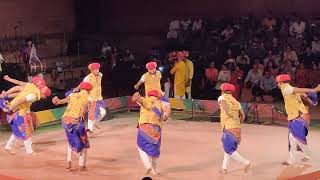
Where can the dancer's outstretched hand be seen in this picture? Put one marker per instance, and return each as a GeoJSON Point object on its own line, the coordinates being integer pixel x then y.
{"type": "Point", "coordinates": [136, 96]}
{"type": "Point", "coordinates": [55, 100]}
{"type": "Point", "coordinates": [6, 77]}
{"type": "Point", "coordinates": [318, 88]}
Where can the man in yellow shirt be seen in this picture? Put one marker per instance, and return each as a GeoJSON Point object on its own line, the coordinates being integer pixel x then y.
{"type": "Point", "coordinates": [190, 71]}
{"type": "Point", "coordinates": [18, 111]}
{"type": "Point", "coordinates": [74, 124]}
{"type": "Point", "coordinates": [154, 110]}
{"type": "Point", "coordinates": [180, 73]}
{"type": "Point", "coordinates": [96, 107]}
{"type": "Point", "coordinates": [298, 117]}
{"type": "Point", "coordinates": [231, 117]}
{"type": "Point", "coordinates": [151, 79]}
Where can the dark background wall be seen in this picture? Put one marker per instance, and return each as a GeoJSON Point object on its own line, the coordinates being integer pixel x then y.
{"type": "Point", "coordinates": [25, 17]}
{"type": "Point", "coordinates": [153, 16]}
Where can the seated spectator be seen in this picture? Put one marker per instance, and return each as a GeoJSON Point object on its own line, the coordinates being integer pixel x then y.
{"type": "Point", "coordinates": [211, 73]}
{"type": "Point", "coordinates": [269, 22]}
{"type": "Point", "coordinates": [227, 33]}
{"type": "Point", "coordinates": [128, 56]}
{"type": "Point", "coordinates": [236, 80]}
{"type": "Point", "coordinates": [268, 86]}
{"type": "Point", "coordinates": [274, 70]}
{"type": "Point", "coordinates": [252, 80]}
{"type": "Point", "coordinates": [185, 24]}
{"type": "Point", "coordinates": [268, 58]}
{"type": "Point", "coordinates": [174, 25]}
{"type": "Point", "coordinates": [223, 77]}
{"type": "Point", "coordinates": [197, 25]}
{"type": "Point", "coordinates": [290, 55]}
{"type": "Point", "coordinates": [275, 47]}
{"type": "Point", "coordinates": [297, 28]}
{"type": "Point", "coordinates": [230, 61]}
{"type": "Point", "coordinates": [301, 76]}
{"type": "Point", "coordinates": [243, 59]}
{"type": "Point", "coordinates": [314, 75]}
{"type": "Point", "coordinates": [172, 34]}
{"type": "Point", "coordinates": [308, 57]}
{"type": "Point", "coordinates": [260, 66]}
{"type": "Point", "coordinates": [315, 46]}
{"type": "Point", "coordinates": [211, 77]}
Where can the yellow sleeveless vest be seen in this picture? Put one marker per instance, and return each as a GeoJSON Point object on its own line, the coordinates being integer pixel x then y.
{"type": "Point", "coordinates": [24, 108]}
{"type": "Point", "coordinates": [293, 104]}
{"type": "Point", "coordinates": [234, 105]}
{"type": "Point", "coordinates": [146, 113]}
{"type": "Point", "coordinates": [96, 92]}
{"type": "Point", "coordinates": [152, 83]}
{"type": "Point", "coordinates": [76, 104]}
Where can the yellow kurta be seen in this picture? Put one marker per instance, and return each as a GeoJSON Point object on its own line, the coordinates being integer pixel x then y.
{"type": "Point", "coordinates": [293, 103]}
{"type": "Point", "coordinates": [190, 71]}
{"type": "Point", "coordinates": [179, 70]}
{"type": "Point", "coordinates": [96, 91]}
{"type": "Point", "coordinates": [234, 108]}
{"type": "Point", "coordinates": [76, 104]}
{"type": "Point", "coordinates": [146, 113]}
{"type": "Point", "coordinates": [24, 108]}
{"type": "Point", "coordinates": [152, 83]}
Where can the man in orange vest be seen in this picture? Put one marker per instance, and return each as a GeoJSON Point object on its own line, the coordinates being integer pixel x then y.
{"type": "Point", "coordinates": [151, 79]}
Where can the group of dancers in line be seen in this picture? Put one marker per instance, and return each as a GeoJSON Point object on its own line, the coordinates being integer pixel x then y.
{"type": "Point", "coordinates": [155, 109]}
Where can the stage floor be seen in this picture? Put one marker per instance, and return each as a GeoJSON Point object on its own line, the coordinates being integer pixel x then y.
{"type": "Point", "coordinates": [190, 151]}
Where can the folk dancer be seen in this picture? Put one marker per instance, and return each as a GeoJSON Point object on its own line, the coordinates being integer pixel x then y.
{"type": "Point", "coordinates": [96, 106]}
{"type": "Point", "coordinates": [298, 117]}
{"type": "Point", "coordinates": [18, 111]}
{"type": "Point", "coordinates": [74, 123]}
{"type": "Point", "coordinates": [151, 79]}
{"type": "Point", "coordinates": [231, 117]}
{"type": "Point", "coordinates": [154, 110]}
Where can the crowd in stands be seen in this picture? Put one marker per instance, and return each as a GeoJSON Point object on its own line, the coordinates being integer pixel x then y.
{"type": "Point", "coordinates": [248, 52]}
{"type": "Point", "coordinates": [245, 51]}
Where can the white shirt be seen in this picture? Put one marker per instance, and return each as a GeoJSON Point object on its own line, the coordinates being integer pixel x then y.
{"type": "Point", "coordinates": [315, 47]}
{"type": "Point", "coordinates": [86, 79]}
{"type": "Point", "coordinates": [174, 25]}
{"type": "Point", "coordinates": [224, 76]}
{"type": "Point", "coordinates": [143, 77]}
{"type": "Point", "coordinates": [298, 28]}
{"type": "Point", "coordinates": [31, 98]}
{"type": "Point", "coordinates": [172, 34]}
{"type": "Point", "coordinates": [197, 25]}
{"type": "Point", "coordinates": [185, 24]}
{"type": "Point", "coordinates": [288, 90]}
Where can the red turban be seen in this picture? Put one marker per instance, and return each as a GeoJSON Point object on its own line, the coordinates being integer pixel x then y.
{"type": "Point", "coordinates": [228, 87]}
{"type": "Point", "coordinates": [47, 91]}
{"type": "Point", "coordinates": [38, 81]}
{"type": "Point", "coordinates": [151, 65]}
{"type": "Point", "coordinates": [85, 86]}
{"type": "Point", "coordinates": [283, 77]}
{"type": "Point", "coordinates": [154, 93]}
{"type": "Point", "coordinates": [94, 66]}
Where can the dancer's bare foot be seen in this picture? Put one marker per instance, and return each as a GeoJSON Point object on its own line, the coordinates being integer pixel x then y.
{"type": "Point", "coordinates": [305, 159]}
{"type": "Point", "coordinates": [246, 169]}
{"type": "Point", "coordinates": [223, 171]}
{"type": "Point", "coordinates": [148, 171]}
{"type": "Point", "coordinates": [10, 151]}
{"type": "Point", "coordinates": [154, 172]}
{"type": "Point", "coordinates": [68, 166]}
{"type": "Point", "coordinates": [285, 163]}
{"type": "Point", "coordinates": [97, 126]}
{"type": "Point", "coordinates": [83, 168]}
